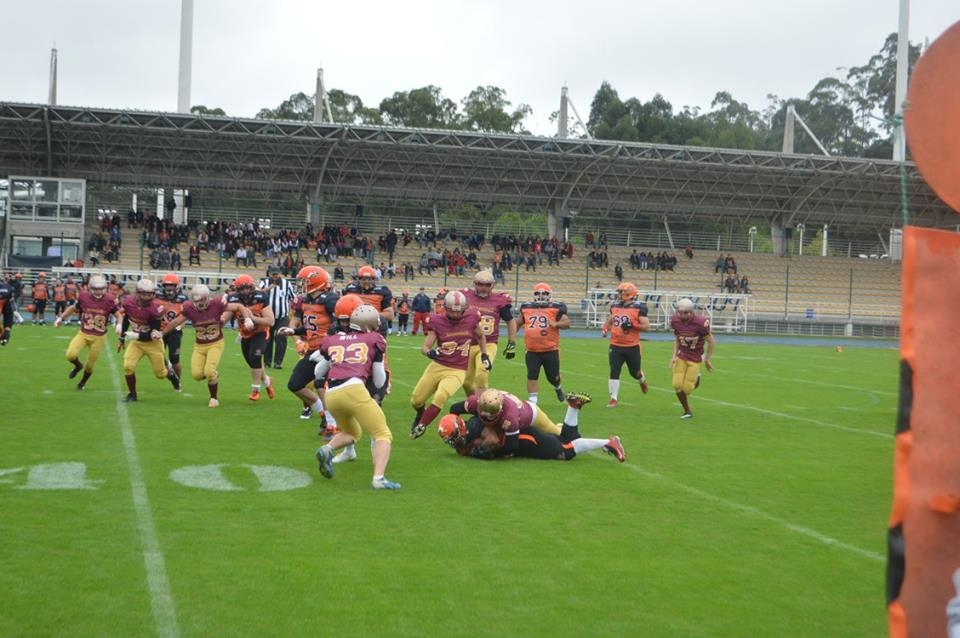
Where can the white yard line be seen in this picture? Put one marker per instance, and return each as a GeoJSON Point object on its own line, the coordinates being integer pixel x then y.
{"type": "Point", "coordinates": [752, 511]}
{"type": "Point", "coordinates": [161, 598]}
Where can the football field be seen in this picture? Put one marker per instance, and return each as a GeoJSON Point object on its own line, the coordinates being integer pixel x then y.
{"type": "Point", "coordinates": [764, 515]}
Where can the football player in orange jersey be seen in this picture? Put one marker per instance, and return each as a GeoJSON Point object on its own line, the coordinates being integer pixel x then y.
{"type": "Point", "coordinates": [312, 316]}
{"type": "Point", "coordinates": [172, 299]}
{"type": "Point", "coordinates": [377, 295]}
{"type": "Point", "coordinates": [41, 293]}
{"type": "Point", "coordinates": [253, 331]}
{"type": "Point", "coordinates": [627, 319]}
{"type": "Point", "coordinates": [541, 322]}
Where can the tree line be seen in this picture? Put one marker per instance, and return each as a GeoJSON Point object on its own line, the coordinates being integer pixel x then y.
{"type": "Point", "coordinates": [851, 114]}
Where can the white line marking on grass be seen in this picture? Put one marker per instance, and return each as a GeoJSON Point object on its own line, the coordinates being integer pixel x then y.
{"type": "Point", "coordinates": [740, 406]}
{"type": "Point", "coordinates": [161, 599]}
{"type": "Point", "coordinates": [753, 511]}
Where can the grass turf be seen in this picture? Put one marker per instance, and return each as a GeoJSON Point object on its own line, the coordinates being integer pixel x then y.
{"type": "Point", "coordinates": [765, 514]}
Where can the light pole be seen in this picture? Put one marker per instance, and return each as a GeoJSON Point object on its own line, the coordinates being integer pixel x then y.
{"type": "Point", "coordinates": [752, 233]}
{"type": "Point", "coordinates": [800, 229]}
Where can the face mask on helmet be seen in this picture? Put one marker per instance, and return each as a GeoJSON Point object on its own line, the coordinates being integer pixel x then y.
{"type": "Point", "coordinates": [483, 283]}
{"type": "Point", "coordinates": [367, 277]}
{"type": "Point", "coordinates": [542, 293]}
{"type": "Point", "coordinates": [452, 430]}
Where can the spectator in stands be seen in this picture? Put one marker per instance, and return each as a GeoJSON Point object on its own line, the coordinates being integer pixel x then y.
{"type": "Point", "coordinates": [175, 262]}
{"type": "Point", "coordinates": [731, 284]}
{"type": "Point", "coordinates": [719, 264]}
{"type": "Point", "coordinates": [241, 257]}
{"type": "Point", "coordinates": [730, 264]}
{"type": "Point", "coordinates": [744, 285]}
{"type": "Point", "coordinates": [94, 257]}
{"type": "Point", "coordinates": [618, 272]}
{"type": "Point", "coordinates": [338, 273]}
{"type": "Point", "coordinates": [688, 251]}
{"type": "Point", "coordinates": [194, 255]}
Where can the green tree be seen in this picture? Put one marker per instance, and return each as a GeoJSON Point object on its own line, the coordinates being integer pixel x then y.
{"type": "Point", "coordinates": [349, 109]}
{"type": "Point", "coordinates": [200, 109]}
{"type": "Point", "coordinates": [486, 109]}
{"type": "Point", "coordinates": [420, 108]}
{"type": "Point", "coordinates": [298, 106]}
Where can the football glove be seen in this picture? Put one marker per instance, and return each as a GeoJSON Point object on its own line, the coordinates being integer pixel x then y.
{"type": "Point", "coordinates": [432, 353]}
{"type": "Point", "coordinates": [487, 364]}
{"type": "Point", "coordinates": [417, 430]}
{"type": "Point", "coordinates": [5, 337]}
{"type": "Point", "coordinates": [603, 333]}
{"type": "Point", "coordinates": [511, 350]}
{"type": "Point", "coordinates": [626, 324]}
{"type": "Point", "coordinates": [482, 452]}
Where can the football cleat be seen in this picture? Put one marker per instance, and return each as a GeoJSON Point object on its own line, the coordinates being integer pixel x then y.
{"type": "Point", "coordinates": [615, 448]}
{"type": "Point", "coordinates": [306, 413]}
{"type": "Point", "coordinates": [325, 461]}
{"type": "Point", "coordinates": [577, 400]}
{"type": "Point", "coordinates": [81, 385]}
{"type": "Point", "coordinates": [77, 367]}
{"type": "Point", "coordinates": [213, 403]}
{"type": "Point", "coordinates": [643, 384]}
{"type": "Point", "coordinates": [270, 392]}
{"type": "Point", "coordinates": [612, 403]}
{"type": "Point", "coordinates": [130, 398]}
{"type": "Point", "coordinates": [254, 395]}
{"type": "Point", "coordinates": [349, 453]}
{"type": "Point", "coordinates": [384, 484]}
{"type": "Point", "coordinates": [687, 415]}
{"type": "Point", "coordinates": [560, 394]}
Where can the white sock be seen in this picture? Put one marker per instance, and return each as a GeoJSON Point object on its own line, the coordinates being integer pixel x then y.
{"type": "Point", "coordinates": [614, 386]}
{"type": "Point", "coordinates": [582, 445]}
{"type": "Point", "coordinates": [317, 406]}
{"type": "Point", "coordinates": [532, 398]}
{"type": "Point", "coordinates": [255, 386]}
{"type": "Point", "coordinates": [266, 381]}
{"type": "Point", "coordinates": [378, 478]}
{"type": "Point", "coordinates": [349, 448]}
{"type": "Point", "coordinates": [573, 417]}
{"type": "Point", "coordinates": [330, 420]}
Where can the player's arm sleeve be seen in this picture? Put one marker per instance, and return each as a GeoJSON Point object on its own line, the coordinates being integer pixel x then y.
{"type": "Point", "coordinates": [506, 313]}
{"type": "Point", "coordinates": [322, 369]}
{"type": "Point", "coordinates": [460, 407]}
{"type": "Point", "coordinates": [379, 374]}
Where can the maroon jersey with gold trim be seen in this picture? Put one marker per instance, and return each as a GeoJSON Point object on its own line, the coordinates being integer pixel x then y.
{"type": "Point", "coordinates": [352, 354]}
{"type": "Point", "coordinates": [492, 308]}
{"type": "Point", "coordinates": [516, 414]}
{"type": "Point", "coordinates": [690, 336]}
{"type": "Point", "coordinates": [95, 313]}
{"type": "Point", "coordinates": [454, 339]}
{"type": "Point", "coordinates": [206, 321]}
{"type": "Point", "coordinates": [141, 317]}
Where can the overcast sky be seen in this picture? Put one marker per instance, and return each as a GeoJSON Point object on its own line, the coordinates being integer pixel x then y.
{"type": "Point", "coordinates": [251, 55]}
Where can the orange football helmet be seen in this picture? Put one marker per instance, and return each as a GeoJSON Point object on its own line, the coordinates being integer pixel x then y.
{"type": "Point", "coordinates": [452, 430]}
{"type": "Point", "coordinates": [366, 272]}
{"type": "Point", "coordinates": [542, 292]}
{"type": "Point", "coordinates": [346, 305]}
{"type": "Point", "coordinates": [316, 281]}
{"type": "Point", "coordinates": [243, 281]}
{"type": "Point", "coordinates": [170, 279]}
{"type": "Point", "coordinates": [627, 291]}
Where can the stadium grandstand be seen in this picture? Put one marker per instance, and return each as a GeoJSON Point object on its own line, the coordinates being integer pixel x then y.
{"type": "Point", "coordinates": [817, 236]}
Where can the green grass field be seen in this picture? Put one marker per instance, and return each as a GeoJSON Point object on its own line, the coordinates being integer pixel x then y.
{"type": "Point", "coordinates": [765, 515]}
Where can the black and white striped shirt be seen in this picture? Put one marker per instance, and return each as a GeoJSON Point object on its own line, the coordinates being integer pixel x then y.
{"type": "Point", "coordinates": [280, 295]}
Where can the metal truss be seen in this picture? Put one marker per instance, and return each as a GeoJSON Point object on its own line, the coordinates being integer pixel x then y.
{"type": "Point", "coordinates": [413, 168]}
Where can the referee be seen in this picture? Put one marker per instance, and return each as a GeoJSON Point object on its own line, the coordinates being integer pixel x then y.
{"type": "Point", "coordinates": [280, 294]}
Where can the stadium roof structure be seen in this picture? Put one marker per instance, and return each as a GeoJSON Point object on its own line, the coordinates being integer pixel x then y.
{"type": "Point", "coordinates": [407, 168]}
